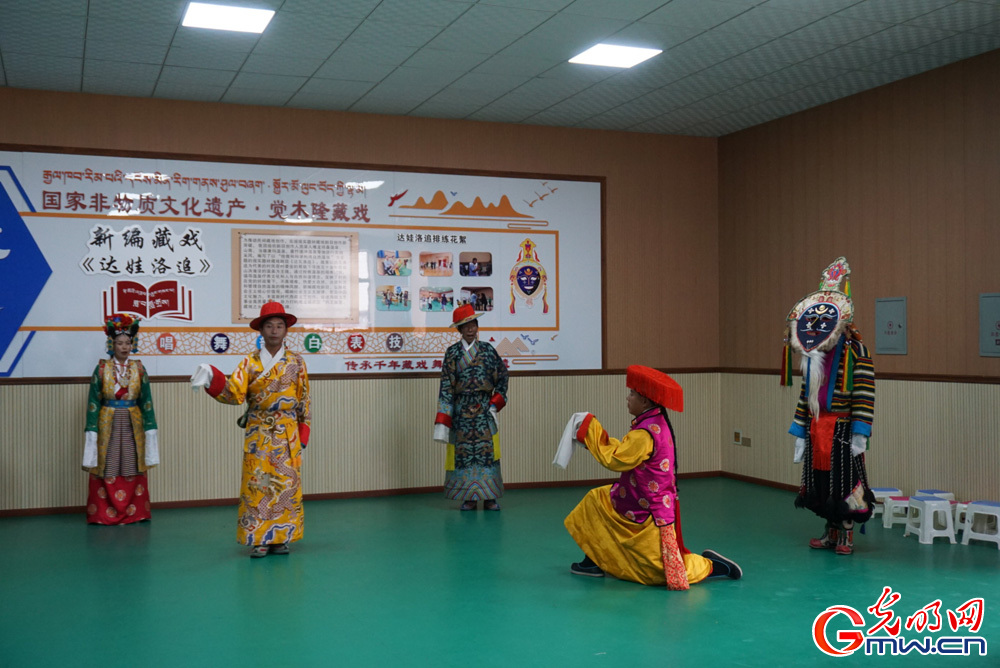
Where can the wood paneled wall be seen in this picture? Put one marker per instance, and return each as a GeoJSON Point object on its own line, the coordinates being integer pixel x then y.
{"type": "Point", "coordinates": [903, 180]}
{"type": "Point", "coordinates": [661, 235]}
{"type": "Point", "coordinates": [368, 435]}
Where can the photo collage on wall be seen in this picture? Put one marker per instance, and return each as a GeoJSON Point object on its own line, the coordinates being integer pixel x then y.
{"type": "Point", "coordinates": [466, 282]}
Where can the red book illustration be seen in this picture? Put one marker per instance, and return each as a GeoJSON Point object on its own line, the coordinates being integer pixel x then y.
{"type": "Point", "coordinates": [165, 299]}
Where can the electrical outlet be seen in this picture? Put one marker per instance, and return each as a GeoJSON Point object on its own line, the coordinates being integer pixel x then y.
{"type": "Point", "coordinates": [746, 441]}
{"type": "Point", "coordinates": [737, 437]}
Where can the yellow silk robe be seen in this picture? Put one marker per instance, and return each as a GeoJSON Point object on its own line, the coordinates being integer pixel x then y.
{"type": "Point", "coordinates": [624, 549]}
{"type": "Point", "coordinates": [270, 510]}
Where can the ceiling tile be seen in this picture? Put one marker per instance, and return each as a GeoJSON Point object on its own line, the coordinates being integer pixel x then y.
{"type": "Point", "coordinates": [273, 64]}
{"type": "Point", "coordinates": [218, 58]}
{"type": "Point", "coordinates": [43, 45]}
{"type": "Point", "coordinates": [195, 76]}
{"type": "Point", "coordinates": [838, 30]}
{"type": "Point", "coordinates": [523, 66]}
{"type": "Point", "coordinates": [745, 66]}
{"type": "Point", "coordinates": [357, 70]}
{"type": "Point", "coordinates": [849, 57]}
{"type": "Point", "coordinates": [631, 10]}
{"type": "Point", "coordinates": [903, 38]}
{"type": "Point", "coordinates": [354, 9]}
{"type": "Point", "coordinates": [767, 21]}
{"type": "Point", "coordinates": [268, 82]}
{"type": "Point", "coordinates": [337, 88]}
{"type": "Point", "coordinates": [908, 64]}
{"type": "Point", "coordinates": [787, 50]}
{"type": "Point", "coordinates": [104, 28]}
{"type": "Point", "coordinates": [653, 35]}
{"type": "Point", "coordinates": [134, 52]}
{"type": "Point", "coordinates": [960, 16]}
{"type": "Point", "coordinates": [804, 75]}
{"type": "Point", "coordinates": [415, 77]}
{"type": "Point", "coordinates": [290, 27]}
{"type": "Point", "coordinates": [703, 14]}
{"type": "Point", "coordinates": [21, 65]}
{"type": "Point", "coordinates": [397, 34]}
{"type": "Point", "coordinates": [161, 11]}
{"type": "Point", "coordinates": [963, 46]}
{"type": "Point", "coordinates": [892, 11]}
{"type": "Point", "coordinates": [214, 40]}
{"type": "Point", "coordinates": [420, 12]}
{"type": "Point", "coordinates": [451, 61]}
{"type": "Point", "coordinates": [485, 81]}
{"type": "Point", "coordinates": [116, 69]}
{"type": "Point", "coordinates": [547, 5]}
{"type": "Point", "coordinates": [464, 97]}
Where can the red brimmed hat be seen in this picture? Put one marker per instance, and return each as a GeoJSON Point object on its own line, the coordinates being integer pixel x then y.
{"type": "Point", "coordinates": [272, 310]}
{"type": "Point", "coordinates": [656, 386]}
{"type": "Point", "coordinates": [463, 314]}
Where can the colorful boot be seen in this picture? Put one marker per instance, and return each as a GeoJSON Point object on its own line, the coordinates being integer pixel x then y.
{"type": "Point", "coordinates": [827, 540]}
{"type": "Point", "coordinates": [845, 541]}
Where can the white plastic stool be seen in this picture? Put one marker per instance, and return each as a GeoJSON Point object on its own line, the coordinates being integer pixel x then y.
{"type": "Point", "coordinates": [922, 520]}
{"type": "Point", "coordinates": [880, 495]}
{"type": "Point", "coordinates": [958, 513]}
{"type": "Point", "coordinates": [895, 511]}
{"type": "Point", "coordinates": [990, 529]}
{"type": "Point", "coordinates": [939, 493]}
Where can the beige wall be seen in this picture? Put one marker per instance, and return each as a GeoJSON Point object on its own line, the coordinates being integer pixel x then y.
{"type": "Point", "coordinates": [367, 435]}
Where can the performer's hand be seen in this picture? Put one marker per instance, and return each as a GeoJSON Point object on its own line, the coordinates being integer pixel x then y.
{"type": "Point", "coordinates": [800, 448]}
{"type": "Point", "coordinates": [859, 443]}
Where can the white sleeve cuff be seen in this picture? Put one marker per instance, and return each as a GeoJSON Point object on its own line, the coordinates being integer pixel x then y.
{"type": "Point", "coordinates": [202, 377]}
{"type": "Point", "coordinates": [90, 450]}
{"type": "Point", "coordinates": [441, 433]}
{"type": "Point", "coordinates": [800, 448]}
{"type": "Point", "coordinates": [859, 443]}
{"type": "Point", "coordinates": [152, 448]}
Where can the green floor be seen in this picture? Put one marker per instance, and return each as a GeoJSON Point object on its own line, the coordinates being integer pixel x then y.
{"type": "Point", "coordinates": [410, 581]}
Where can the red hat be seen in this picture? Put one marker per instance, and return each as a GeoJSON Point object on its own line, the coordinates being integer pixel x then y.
{"type": "Point", "coordinates": [272, 310]}
{"type": "Point", "coordinates": [655, 386]}
{"type": "Point", "coordinates": [463, 314]}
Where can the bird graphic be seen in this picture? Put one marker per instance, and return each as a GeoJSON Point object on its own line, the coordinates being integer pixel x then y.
{"type": "Point", "coordinates": [542, 196]}
{"type": "Point", "coordinates": [531, 203]}
{"type": "Point", "coordinates": [553, 337]}
{"type": "Point", "coordinates": [552, 190]}
{"type": "Point", "coordinates": [454, 193]}
{"type": "Point", "coordinates": [393, 198]}
{"type": "Point", "coordinates": [529, 339]}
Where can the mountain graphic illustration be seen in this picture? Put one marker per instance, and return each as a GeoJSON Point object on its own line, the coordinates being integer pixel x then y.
{"type": "Point", "coordinates": [438, 202]}
{"type": "Point", "coordinates": [508, 348]}
{"type": "Point", "coordinates": [501, 210]}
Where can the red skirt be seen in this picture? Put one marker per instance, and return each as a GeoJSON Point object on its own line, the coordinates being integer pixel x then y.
{"type": "Point", "coordinates": [118, 500]}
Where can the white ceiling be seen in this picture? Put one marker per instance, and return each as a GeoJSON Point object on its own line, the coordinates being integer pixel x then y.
{"type": "Point", "coordinates": [726, 65]}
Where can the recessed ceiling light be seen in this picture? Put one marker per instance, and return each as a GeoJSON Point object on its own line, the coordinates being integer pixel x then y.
{"type": "Point", "coordinates": [223, 17]}
{"type": "Point", "coordinates": [611, 55]}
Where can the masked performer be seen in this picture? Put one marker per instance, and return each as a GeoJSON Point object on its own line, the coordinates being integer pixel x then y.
{"type": "Point", "coordinates": [833, 418]}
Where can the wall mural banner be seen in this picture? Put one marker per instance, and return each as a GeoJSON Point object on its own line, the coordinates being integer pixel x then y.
{"type": "Point", "coordinates": [372, 262]}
